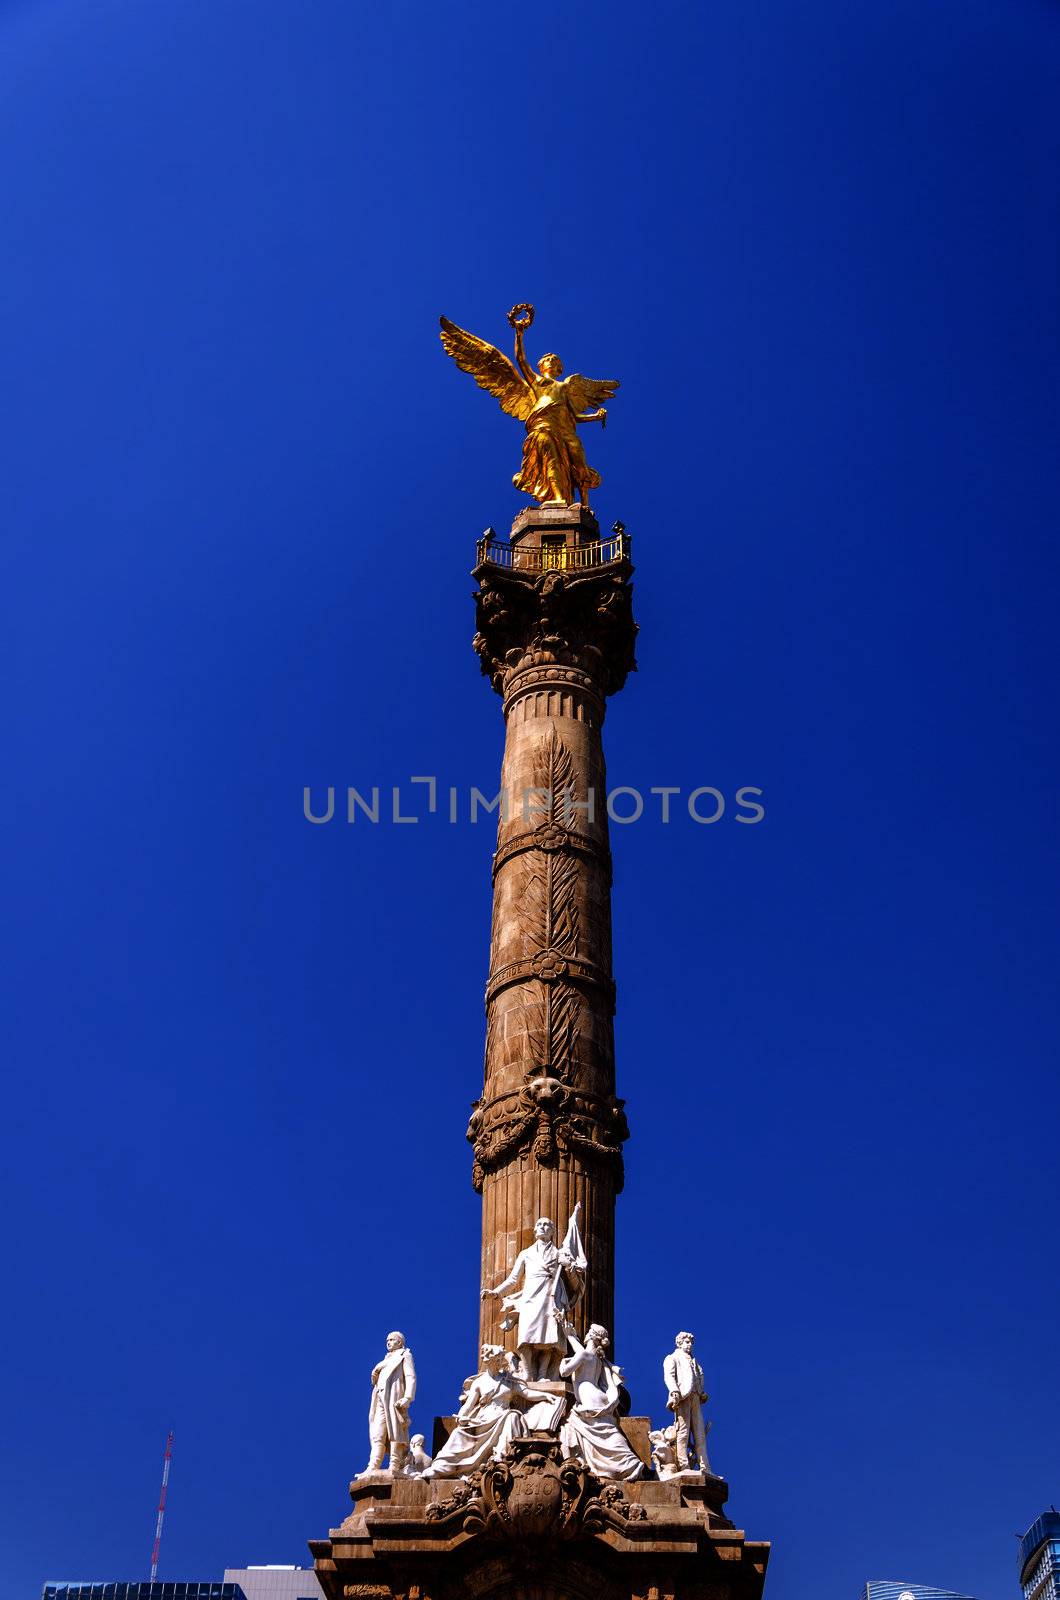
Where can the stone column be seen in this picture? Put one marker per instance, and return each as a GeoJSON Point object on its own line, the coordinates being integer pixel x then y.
{"type": "Point", "coordinates": [555, 637]}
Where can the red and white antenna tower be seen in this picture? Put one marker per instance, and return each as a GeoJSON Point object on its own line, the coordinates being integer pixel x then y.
{"type": "Point", "coordinates": [161, 1507]}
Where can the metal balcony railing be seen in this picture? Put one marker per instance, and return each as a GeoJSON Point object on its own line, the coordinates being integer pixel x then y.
{"type": "Point", "coordinates": [496, 552]}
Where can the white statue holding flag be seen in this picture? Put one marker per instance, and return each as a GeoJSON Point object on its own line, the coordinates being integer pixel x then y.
{"type": "Point", "coordinates": [551, 1282]}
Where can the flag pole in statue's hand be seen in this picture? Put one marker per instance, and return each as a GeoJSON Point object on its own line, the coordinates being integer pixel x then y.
{"type": "Point", "coordinates": [571, 1255]}
{"type": "Point", "coordinates": [572, 1246]}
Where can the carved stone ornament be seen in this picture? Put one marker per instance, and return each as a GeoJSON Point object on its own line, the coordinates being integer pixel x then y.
{"type": "Point", "coordinates": [550, 1117]}
{"type": "Point", "coordinates": [548, 964]}
{"type": "Point", "coordinates": [534, 1496]}
{"type": "Point", "coordinates": [611, 1506]}
{"type": "Point", "coordinates": [463, 1494]}
{"type": "Point", "coordinates": [583, 621]}
{"type": "Point", "coordinates": [551, 837]}
{"type": "Point", "coordinates": [549, 1114]}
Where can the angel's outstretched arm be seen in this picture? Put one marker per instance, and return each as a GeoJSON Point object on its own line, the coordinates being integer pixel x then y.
{"type": "Point", "coordinates": [591, 416]}
{"type": "Point", "coordinates": [520, 359]}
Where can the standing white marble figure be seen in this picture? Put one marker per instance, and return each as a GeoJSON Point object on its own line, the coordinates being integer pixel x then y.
{"type": "Point", "coordinates": [591, 1429]}
{"type": "Point", "coordinates": [683, 1376]}
{"type": "Point", "coordinates": [487, 1422]}
{"type": "Point", "coordinates": [393, 1391]}
{"type": "Point", "coordinates": [551, 1282]}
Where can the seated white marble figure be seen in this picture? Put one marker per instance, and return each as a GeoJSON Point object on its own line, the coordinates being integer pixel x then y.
{"type": "Point", "coordinates": [486, 1422]}
{"type": "Point", "coordinates": [591, 1429]}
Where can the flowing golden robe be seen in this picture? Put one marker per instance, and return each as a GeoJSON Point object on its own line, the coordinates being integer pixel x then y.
{"type": "Point", "coordinates": [554, 465]}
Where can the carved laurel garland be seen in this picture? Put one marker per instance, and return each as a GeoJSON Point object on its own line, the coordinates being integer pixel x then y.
{"type": "Point", "coordinates": [549, 918]}
{"type": "Point", "coordinates": [557, 1119]}
{"type": "Point", "coordinates": [552, 926]}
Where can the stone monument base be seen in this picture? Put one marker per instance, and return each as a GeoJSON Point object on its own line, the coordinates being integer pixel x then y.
{"type": "Point", "coordinates": [537, 1527]}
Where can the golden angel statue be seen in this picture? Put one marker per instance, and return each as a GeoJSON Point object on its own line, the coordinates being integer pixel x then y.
{"type": "Point", "coordinates": [554, 466]}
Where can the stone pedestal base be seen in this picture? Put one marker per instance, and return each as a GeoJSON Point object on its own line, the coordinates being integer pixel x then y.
{"type": "Point", "coordinates": [536, 1527]}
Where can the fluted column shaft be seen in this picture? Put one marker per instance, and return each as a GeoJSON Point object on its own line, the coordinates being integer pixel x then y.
{"type": "Point", "coordinates": [548, 1130]}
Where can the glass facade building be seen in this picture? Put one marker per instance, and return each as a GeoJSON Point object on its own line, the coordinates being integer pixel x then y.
{"type": "Point", "coordinates": [239, 1583]}
{"type": "Point", "coordinates": [1040, 1558]}
{"type": "Point", "coordinates": [889, 1590]}
{"type": "Point", "coordinates": [142, 1591]}
{"type": "Point", "coordinates": [276, 1583]}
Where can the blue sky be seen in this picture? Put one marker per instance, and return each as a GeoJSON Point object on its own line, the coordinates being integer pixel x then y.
{"type": "Point", "coordinates": [818, 244]}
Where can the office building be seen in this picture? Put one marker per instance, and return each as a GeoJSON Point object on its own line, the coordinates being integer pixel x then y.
{"type": "Point", "coordinates": [887, 1589]}
{"type": "Point", "coordinates": [275, 1583]}
{"type": "Point", "coordinates": [1039, 1558]}
{"type": "Point", "coordinates": [142, 1591]}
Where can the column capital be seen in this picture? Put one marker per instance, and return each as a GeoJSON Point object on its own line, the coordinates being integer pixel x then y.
{"type": "Point", "coordinates": [554, 606]}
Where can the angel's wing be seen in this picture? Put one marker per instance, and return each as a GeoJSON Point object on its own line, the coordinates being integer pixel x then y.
{"type": "Point", "coordinates": [490, 369]}
{"type": "Point", "coordinates": [588, 393]}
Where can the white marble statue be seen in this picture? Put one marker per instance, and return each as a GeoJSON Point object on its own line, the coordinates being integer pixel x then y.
{"type": "Point", "coordinates": [683, 1376]}
{"type": "Point", "coordinates": [663, 1443]}
{"type": "Point", "coordinates": [591, 1429]}
{"type": "Point", "coordinates": [393, 1391]}
{"type": "Point", "coordinates": [418, 1460]}
{"type": "Point", "coordinates": [551, 1280]}
{"type": "Point", "coordinates": [663, 1451]}
{"type": "Point", "coordinates": [487, 1421]}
